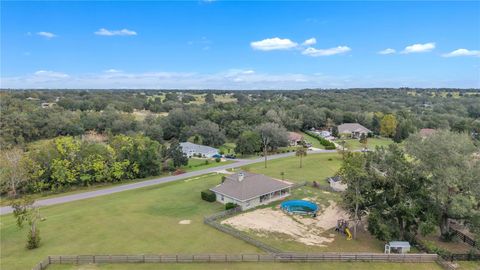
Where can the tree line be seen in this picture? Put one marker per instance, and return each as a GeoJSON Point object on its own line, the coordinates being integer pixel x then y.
{"type": "Point", "coordinates": [70, 161]}
{"type": "Point", "coordinates": [394, 113]}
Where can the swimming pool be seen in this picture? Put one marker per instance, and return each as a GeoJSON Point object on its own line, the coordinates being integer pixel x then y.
{"type": "Point", "coordinates": [299, 207]}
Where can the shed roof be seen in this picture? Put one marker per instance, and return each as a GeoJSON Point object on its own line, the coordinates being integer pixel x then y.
{"type": "Point", "coordinates": [399, 244]}
{"type": "Point", "coordinates": [251, 186]}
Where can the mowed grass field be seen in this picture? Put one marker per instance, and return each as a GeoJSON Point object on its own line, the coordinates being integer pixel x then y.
{"type": "Point", "coordinates": [257, 266]}
{"type": "Point", "coordinates": [354, 144]}
{"type": "Point", "coordinates": [142, 221]}
{"type": "Point", "coordinates": [316, 167]}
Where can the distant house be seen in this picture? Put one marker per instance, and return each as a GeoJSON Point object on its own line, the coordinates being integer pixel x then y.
{"type": "Point", "coordinates": [47, 105]}
{"type": "Point", "coordinates": [336, 183]}
{"type": "Point", "coordinates": [191, 149]}
{"type": "Point", "coordinates": [425, 132]}
{"type": "Point", "coordinates": [325, 134]}
{"type": "Point", "coordinates": [353, 130]}
{"type": "Point", "coordinates": [295, 138]}
{"type": "Point", "coordinates": [250, 190]}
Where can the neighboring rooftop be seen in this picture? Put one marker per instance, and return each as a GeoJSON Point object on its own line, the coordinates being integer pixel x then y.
{"type": "Point", "coordinates": [293, 136]}
{"type": "Point", "coordinates": [245, 185]}
{"type": "Point", "coordinates": [197, 148]}
{"type": "Point", "coordinates": [424, 132]}
{"type": "Point", "coordinates": [352, 128]}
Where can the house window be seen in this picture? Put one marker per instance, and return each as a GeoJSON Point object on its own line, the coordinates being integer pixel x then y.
{"type": "Point", "coordinates": [222, 198]}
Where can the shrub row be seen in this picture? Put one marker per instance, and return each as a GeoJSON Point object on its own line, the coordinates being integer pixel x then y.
{"type": "Point", "coordinates": [230, 205]}
{"type": "Point", "coordinates": [328, 144]}
{"type": "Point", "coordinates": [208, 195]}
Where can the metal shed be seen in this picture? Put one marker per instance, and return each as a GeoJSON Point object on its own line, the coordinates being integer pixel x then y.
{"type": "Point", "coordinates": [397, 247]}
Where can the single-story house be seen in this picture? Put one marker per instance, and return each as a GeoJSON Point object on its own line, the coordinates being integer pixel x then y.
{"type": "Point", "coordinates": [191, 149]}
{"type": "Point", "coordinates": [336, 183]}
{"type": "Point", "coordinates": [425, 132]}
{"type": "Point", "coordinates": [295, 138]}
{"type": "Point", "coordinates": [249, 190]}
{"type": "Point", "coordinates": [354, 130]}
{"type": "Point", "coordinates": [325, 134]}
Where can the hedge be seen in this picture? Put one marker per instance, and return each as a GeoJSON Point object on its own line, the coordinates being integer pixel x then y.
{"type": "Point", "coordinates": [230, 205]}
{"type": "Point", "coordinates": [328, 144]}
{"type": "Point", "coordinates": [208, 195]}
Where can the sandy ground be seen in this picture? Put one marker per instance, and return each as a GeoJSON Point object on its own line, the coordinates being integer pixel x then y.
{"type": "Point", "coordinates": [185, 222]}
{"type": "Point", "coordinates": [306, 230]}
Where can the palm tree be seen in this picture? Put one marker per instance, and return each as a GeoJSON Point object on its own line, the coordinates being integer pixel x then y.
{"type": "Point", "coordinates": [301, 152]}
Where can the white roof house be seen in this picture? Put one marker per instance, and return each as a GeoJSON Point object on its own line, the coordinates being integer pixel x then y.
{"type": "Point", "coordinates": [353, 129]}
{"type": "Point", "coordinates": [191, 149]}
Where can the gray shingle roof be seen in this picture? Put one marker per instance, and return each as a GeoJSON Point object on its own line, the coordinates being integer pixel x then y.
{"type": "Point", "coordinates": [197, 148]}
{"type": "Point", "coordinates": [252, 186]}
{"type": "Point", "coordinates": [352, 127]}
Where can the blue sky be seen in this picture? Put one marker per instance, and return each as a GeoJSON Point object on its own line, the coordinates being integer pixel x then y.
{"type": "Point", "coordinates": [239, 45]}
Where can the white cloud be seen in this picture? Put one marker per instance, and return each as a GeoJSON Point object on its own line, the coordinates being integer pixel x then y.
{"type": "Point", "coordinates": [112, 70]}
{"type": "Point", "coordinates": [387, 51]}
{"type": "Point", "coordinates": [46, 34]}
{"type": "Point", "coordinates": [271, 44]}
{"type": "Point", "coordinates": [462, 52]}
{"type": "Point", "coordinates": [122, 32]}
{"type": "Point", "coordinates": [310, 42]}
{"type": "Point", "coordinates": [419, 48]}
{"type": "Point", "coordinates": [229, 79]}
{"type": "Point", "coordinates": [310, 51]}
{"type": "Point", "coordinates": [50, 74]}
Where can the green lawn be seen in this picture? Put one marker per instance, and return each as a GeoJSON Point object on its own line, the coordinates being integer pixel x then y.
{"type": "Point", "coordinates": [469, 265]}
{"type": "Point", "coordinates": [315, 143]}
{"type": "Point", "coordinates": [193, 165]}
{"type": "Point", "coordinates": [228, 148]}
{"type": "Point", "coordinates": [354, 144]}
{"type": "Point", "coordinates": [259, 266]}
{"type": "Point", "coordinates": [131, 222]}
{"type": "Point", "coordinates": [316, 167]}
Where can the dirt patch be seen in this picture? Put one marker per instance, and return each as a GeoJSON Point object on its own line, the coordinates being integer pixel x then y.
{"type": "Point", "coordinates": [306, 230]}
{"type": "Point", "coordinates": [185, 222]}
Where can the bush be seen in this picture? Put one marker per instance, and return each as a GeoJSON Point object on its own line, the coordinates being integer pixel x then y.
{"type": "Point", "coordinates": [217, 159]}
{"type": "Point", "coordinates": [208, 195]}
{"type": "Point", "coordinates": [206, 162]}
{"type": "Point", "coordinates": [230, 205]}
{"type": "Point", "coordinates": [33, 241]}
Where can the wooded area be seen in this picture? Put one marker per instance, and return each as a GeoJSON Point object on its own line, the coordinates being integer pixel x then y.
{"type": "Point", "coordinates": [58, 138]}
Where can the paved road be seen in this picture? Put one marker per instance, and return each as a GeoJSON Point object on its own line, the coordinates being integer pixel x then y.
{"type": "Point", "coordinates": [90, 194]}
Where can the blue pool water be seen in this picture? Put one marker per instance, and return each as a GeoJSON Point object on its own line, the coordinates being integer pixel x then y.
{"type": "Point", "coordinates": [299, 206]}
